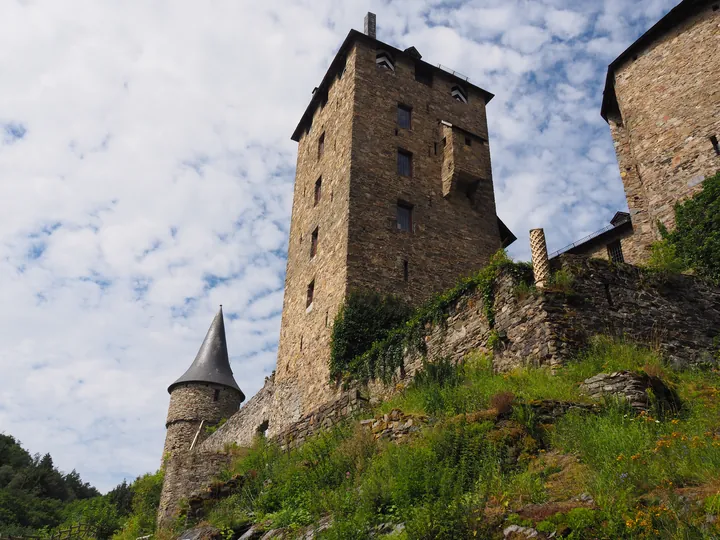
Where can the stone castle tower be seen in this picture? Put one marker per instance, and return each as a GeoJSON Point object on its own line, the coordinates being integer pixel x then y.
{"type": "Point", "coordinates": [393, 192]}
{"type": "Point", "coordinates": [206, 394]}
{"type": "Point", "coordinates": [662, 102]}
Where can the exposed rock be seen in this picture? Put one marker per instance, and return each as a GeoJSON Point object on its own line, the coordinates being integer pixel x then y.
{"type": "Point", "coordinates": [200, 533]}
{"type": "Point", "coordinates": [633, 387]}
{"type": "Point", "coordinates": [516, 532]}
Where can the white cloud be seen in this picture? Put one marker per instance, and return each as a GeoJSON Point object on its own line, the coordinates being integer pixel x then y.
{"type": "Point", "coordinates": [147, 172]}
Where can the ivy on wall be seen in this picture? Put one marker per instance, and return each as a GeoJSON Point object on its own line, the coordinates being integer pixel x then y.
{"type": "Point", "coordinates": [363, 350]}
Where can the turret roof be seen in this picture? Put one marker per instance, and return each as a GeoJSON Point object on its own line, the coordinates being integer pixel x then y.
{"type": "Point", "coordinates": [212, 364]}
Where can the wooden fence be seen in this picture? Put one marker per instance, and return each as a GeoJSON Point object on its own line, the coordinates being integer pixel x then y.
{"type": "Point", "coordinates": [80, 531]}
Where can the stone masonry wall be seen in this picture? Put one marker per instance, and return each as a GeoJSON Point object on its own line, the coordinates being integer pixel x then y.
{"type": "Point", "coordinates": [190, 404]}
{"type": "Point", "coordinates": [669, 100]}
{"type": "Point", "coordinates": [242, 427]}
{"type": "Point", "coordinates": [451, 235]}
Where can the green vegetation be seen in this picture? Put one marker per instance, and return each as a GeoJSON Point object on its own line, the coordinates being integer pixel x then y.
{"type": "Point", "coordinates": [695, 242]}
{"type": "Point", "coordinates": [36, 498]}
{"type": "Point", "coordinates": [485, 461]}
{"type": "Point", "coordinates": [370, 334]}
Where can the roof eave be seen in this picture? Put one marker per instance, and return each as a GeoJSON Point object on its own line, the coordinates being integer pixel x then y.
{"type": "Point", "coordinates": [330, 74]}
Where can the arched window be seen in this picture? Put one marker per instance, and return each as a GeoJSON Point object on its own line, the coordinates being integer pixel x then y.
{"type": "Point", "coordinates": [459, 94]}
{"type": "Point", "coordinates": [384, 60]}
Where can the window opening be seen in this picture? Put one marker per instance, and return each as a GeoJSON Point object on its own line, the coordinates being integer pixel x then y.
{"type": "Point", "coordinates": [404, 163]}
{"type": "Point", "coordinates": [216, 394]}
{"type": "Point", "coordinates": [263, 427]}
{"type": "Point", "coordinates": [318, 191]}
{"type": "Point", "coordinates": [716, 146]}
{"type": "Point", "coordinates": [468, 141]}
{"type": "Point", "coordinates": [459, 94]}
{"type": "Point", "coordinates": [423, 75]}
{"type": "Point", "coordinates": [406, 271]}
{"type": "Point", "coordinates": [435, 146]}
{"type": "Point", "coordinates": [404, 216]}
{"type": "Point", "coordinates": [404, 115]}
{"type": "Point", "coordinates": [313, 242]}
{"type": "Point", "coordinates": [301, 343]}
{"type": "Point", "coordinates": [321, 145]}
{"type": "Point", "coordinates": [615, 253]}
{"type": "Point", "coordinates": [384, 60]}
{"type": "Point", "coordinates": [310, 294]}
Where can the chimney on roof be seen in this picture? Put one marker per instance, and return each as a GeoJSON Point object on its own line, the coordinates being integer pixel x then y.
{"type": "Point", "coordinates": [370, 25]}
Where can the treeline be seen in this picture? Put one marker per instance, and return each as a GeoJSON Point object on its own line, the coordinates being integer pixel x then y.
{"type": "Point", "coordinates": [35, 497]}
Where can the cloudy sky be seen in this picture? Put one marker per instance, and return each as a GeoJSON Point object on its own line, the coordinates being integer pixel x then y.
{"type": "Point", "coordinates": [146, 174]}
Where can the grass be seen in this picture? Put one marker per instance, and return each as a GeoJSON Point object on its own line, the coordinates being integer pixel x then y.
{"type": "Point", "coordinates": [466, 476]}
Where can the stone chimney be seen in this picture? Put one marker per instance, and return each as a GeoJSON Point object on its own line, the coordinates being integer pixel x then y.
{"type": "Point", "coordinates": [370, 25]}
{"type": "Point", "coordinates": [540, 261]}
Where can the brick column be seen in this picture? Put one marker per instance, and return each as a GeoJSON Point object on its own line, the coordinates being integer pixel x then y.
{"type": "Point", "coordinates": [541, 264]}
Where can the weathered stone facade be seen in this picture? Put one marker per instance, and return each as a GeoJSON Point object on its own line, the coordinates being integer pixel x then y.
{"type": "Point", "coordinates": [662, 102]}
{"type": "Point", "coordinates": [344, 231]}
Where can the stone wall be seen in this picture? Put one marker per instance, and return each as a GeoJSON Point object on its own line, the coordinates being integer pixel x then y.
{"type": "Point", "coordinates": [191, 404]}
{"type": "Point", "coordinates": [251, 419]}
{"type": "Point", "coordinates": [669, 101]}
{"type": "Point", "coordinates": [185, 474]}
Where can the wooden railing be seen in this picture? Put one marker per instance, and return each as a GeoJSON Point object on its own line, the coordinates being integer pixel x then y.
{"type": "Point", "coordinates": [81, 531]}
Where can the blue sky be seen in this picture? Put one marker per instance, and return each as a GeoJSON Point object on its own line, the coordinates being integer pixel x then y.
{"type": "Point", "coordinates": [146, 176]}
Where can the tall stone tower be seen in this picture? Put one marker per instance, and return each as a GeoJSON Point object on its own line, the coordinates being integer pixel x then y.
{"type": "Point", "coordinates": [393, 192]}
{"type": "Point", "coordinates": [662, 102]}
{"type": "Point", "coordinates": [203, 396]}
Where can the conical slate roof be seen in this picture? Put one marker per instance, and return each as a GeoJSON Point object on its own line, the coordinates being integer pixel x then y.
{"type": "Point", "coordinates": [211, 365]}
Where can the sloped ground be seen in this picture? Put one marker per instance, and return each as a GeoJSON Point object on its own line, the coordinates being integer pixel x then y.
{"type": "Point", "coordinates": [481, 455]}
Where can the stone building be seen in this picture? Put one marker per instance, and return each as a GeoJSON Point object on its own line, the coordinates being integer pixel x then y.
{"type": "Point", "coordinates": [662, 103]}
{"type": "Point", "coordinates": [205, 395]}
{"type": "Point", "coordinates": [393, 192]}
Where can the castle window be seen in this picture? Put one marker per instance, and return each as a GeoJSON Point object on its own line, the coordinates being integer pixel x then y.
{"type": "Point", "coordinates": [321, 145]}
{"type": "Point", "coordinates": [384, 60]}
{"type": "Point", "coordinates": [216, 394]}
{"type": "Point", "coordinates": [615, 253]}
{"type": "Point", "coordinates": [716, 146]}
{"type": "Point", "coordinates": [406, 271]}
{"type": "Point", "coordinates": [314, 243]}
{"type": "Point", "coordinates": [404, 163]}
{"type": "Point", "coordinates": [423, 75]}
{"type": "Point", "coordinates": [310, 293]}
{"type": "Point", "coordinates": [318, 191]}
{"type": "Point", "coordinates": [404, 216]}
{"type": "Point", "coordinates": [404, 114]}
{"type": "Point", "coordinates": [468, 141]}
{"type": "Point", "coordinates": [459, 94]}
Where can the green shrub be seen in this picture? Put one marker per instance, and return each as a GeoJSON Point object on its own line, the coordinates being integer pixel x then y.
{"type": "Point", "coordinates": [695, 241]}
{"type": "Point", "coordinates": [364, 318]}
{"type": "Point", "coordinates": [146, 499]}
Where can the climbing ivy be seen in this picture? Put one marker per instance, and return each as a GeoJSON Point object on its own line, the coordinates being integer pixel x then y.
{"type": "Point", "coordinates": [381, 357]}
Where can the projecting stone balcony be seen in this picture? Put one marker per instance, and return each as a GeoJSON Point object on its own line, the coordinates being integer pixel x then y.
{"type": "Point", "coordinates": [466, 160]}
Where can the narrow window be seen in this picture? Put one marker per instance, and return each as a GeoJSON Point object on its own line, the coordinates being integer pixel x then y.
{"type": "Point", "coordinates": [404, 116]}
{"type": "Point", "coordinates": [384, 60]}
{"type": "Point", "coordinates": [310, 293]}
{"type": "Point", "coordinates": [301, 342]}
{"type": "Point", "coordinates": [404, 163]}
{"type": "Point", "coordinates": [716, 146]}
{"type": "Point", "coordinates": [435, 146]}
{"type": "Point", "coordinates": [444, 142]}
{"type": "Point", "coordinates": [406, 271]}
{"type": "Point", "coordinates": [216, 394]}
{"type": "Point", "coordinates": [327, 319]}
{"type": "Point", "coordinates": [313, 243]}
{"type": "Point", "coordinates": [318, 191]}
{"type": "Point", "coordinates": [423, 75]}
{"type": "Point", "coordinates": [404, 216]}
{"type": "Point", "coordinates": [615, 253]}
{"type": "Point", "coordinates": [468, 141]}
{"type": "Point", "coordinates": [459, 94]}
{"type": "Point", "coordinates": [321, 145]}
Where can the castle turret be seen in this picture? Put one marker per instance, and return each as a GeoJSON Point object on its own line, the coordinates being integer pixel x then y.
{"type": "Point", "coordinates": [205, 394]}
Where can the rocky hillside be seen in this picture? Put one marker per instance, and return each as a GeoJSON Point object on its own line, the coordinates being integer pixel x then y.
{"type": "Point", "coordinates": [464, 452]}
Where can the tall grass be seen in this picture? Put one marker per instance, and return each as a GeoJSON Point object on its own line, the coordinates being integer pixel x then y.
{"type": "Point", "coordinates": [466, 479]}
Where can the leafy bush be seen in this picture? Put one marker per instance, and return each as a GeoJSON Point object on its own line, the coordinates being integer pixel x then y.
{"type": "Point", "coordinates": [364, 318]}
{"type": "Point", "coordinates": [695, 241]}
{"type": "Point", "coordinates": [145, 501]}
